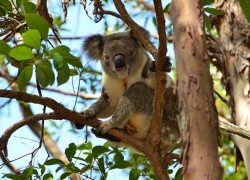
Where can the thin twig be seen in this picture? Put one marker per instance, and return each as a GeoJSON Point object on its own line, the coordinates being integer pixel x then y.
{"type": "Point", "coordinates": [222, 98]}
{"type": "Point", "coordinates": [6, 103]}
{"type": "Point", "coordinates": [6, 135]}
{"type": "Point", "coordinates": [8, 164]}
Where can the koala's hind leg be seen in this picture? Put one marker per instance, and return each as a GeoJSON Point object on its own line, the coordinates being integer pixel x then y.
{"type": "Point", "coordinates": [137, 99]}
{"type": "Point", "coordinates": [121, 115]}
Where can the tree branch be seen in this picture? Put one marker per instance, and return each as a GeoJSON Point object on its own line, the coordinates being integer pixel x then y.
{"type": "Point", "coordinates": [148, 7]}
{"type": "Point", "coordinates": [6, 135]}
{"type": "Point", "coordinates": [51, 103]}
{"type": "Point", "coordinates": [154, 136]}
{"type": "Point", "coordinates": [229, 127]}
{"type": "Point", "coordinates": [8, 164]}
{"type": "Point", "coordinates": [140, 32]}
{"type": "Point", "coordinates": [70, 115]}
{"type": "Point", "coordinates": [36, 127]}
{"type": "Point", "coordinates": [42, 10]}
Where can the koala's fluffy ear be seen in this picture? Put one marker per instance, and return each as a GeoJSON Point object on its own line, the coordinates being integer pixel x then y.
{"type": "Point", "coordinates": [93, 46]}
{"type": "Point", "coordinates": [131, 33]}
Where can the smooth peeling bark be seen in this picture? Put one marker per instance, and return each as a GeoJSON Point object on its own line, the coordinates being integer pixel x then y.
{"type": "Point", "coordinates": [198, 120]}
{"type": "Point", "coordinates": [234, 33]}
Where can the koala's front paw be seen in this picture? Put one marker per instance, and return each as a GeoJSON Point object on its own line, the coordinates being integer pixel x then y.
{"type": "Point", "coordinates": [89, 114]}
{"type": "Point", "coordinates": [104, 127]}
{"type": "Point", "coordinates": [165, 68]}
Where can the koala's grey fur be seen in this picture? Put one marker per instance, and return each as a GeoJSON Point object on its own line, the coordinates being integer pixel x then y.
{"type": "Point", "coordinates": [134, 114]}
{"type": "Point", "coordinates": [127, 87]}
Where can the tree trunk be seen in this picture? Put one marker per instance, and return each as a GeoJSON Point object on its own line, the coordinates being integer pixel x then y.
{"type": "Point", "coordinates": [234, 31]}
{"type": "Point", "coordinates": [198, 116]}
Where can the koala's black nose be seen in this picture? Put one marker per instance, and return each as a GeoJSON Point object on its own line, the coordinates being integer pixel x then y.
{"type": "Point", "coordinates": [119, 61]}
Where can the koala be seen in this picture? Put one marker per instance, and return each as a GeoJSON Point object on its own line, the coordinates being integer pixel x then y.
{"type": "Point", "coordinates": [128, 83]}
{"type": "Point", "coordinates": [134, 113]}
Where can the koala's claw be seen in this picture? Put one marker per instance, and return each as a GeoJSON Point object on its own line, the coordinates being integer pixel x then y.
{"type": "Point", "coordinates": [165, 68]}
{"type": "Point", "coordinates": [89, 114]}
{"type": "Point", "coordinates": [105, 136]}
{"type": "Point", "coordinates": [79, 126]}
{"type": "Point", "coordinates": [104, 127]}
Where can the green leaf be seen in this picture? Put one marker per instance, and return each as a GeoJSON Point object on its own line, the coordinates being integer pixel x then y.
{"type": "Point", "coordinates": [72, 168]}
{"type": "Point", "coordinates": [118, 157]}
{"type": "Point", "coordinates": [24, 77]}
{"type": "Point", "coordinates": [2, 58]}
{"type": "Point", "coordinates": [35, 21]}
{"type": "Point", "coordinates": [60, 49]}
{"type": "Point", "coordinates": [121, 165]}
{"type": "Point", "coordinates": [154, 21]}
{"type": "Point", "coordinates": [54, 161]}
{"type": "Point", "coordinates": [74, 61]}
{"type": "Point", "coordinates": [45, 74]}
{"type": "Point", "coordinates": [42, 167]}
{"type": "Point", "coordinates": [11, 176]}
{"type": "Point", "coordinates": [29, 7]}
{"type": "Point", "coordinates": [102, 167]}
{"type": "Point", "coordinates": [170, 171]}
{"type": "Point", "coordinates": [208, 23]}
{"type": "Point", "coordinates": [245, 6]}
{"type": "Point", "coordinates": [64, 175]}
{"type": "Point", "coordinates": [59, 168]}
{"type": "Point", "coordinates": [86, 146]}
{"type": "Point", "coordinates": [3, 11]}
{"type": "Point", "coordinates": [32, 38]}
{"type": "Point", "coordinates": [18, 3]}
{"type": "Point", "coordinates": [213, 11]}
{"type": "Point", "coordinates": [57, 61]}
{"type": "Point", "coordinates": [21, 53]}
{"type": "Point", "coordinates": [70, 151]}
{"type": "Point", "coordinates": [134, 174]}
{"type": "Point", "coordinates": [98, 150]}
{"type": "Point", "coordinates": [6, 4]}
{"type": "Point", "coordinates": [178, 174]}
{"type": "Point", "coordinates": [207, 2]}
{"type": "Point", "coordinates": [166, 7]}
{"type": "Point", "coordinates": [26, 174]}
{"type": "Point", "coordinates": [89, 159]}
{"type": "Point", "coordinates": [48, 176]}
{"type": "Point", "coordinates": [72, 72]}
{"type": "Point", "coordinates": [63, 74]}
{"type": "Point", "coordinates": [64, 51]}
{"type": "Point", "coordinates": [4, 48]}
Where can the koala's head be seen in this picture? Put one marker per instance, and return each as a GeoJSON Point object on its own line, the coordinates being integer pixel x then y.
{"type": "Point", "coordinates": [120, 53]}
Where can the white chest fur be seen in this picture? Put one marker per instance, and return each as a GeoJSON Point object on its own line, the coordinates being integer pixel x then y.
{"type": "Point", "coordinates": [115, 87]}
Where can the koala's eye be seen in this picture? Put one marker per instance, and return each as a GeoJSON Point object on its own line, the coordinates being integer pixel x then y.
{"type": "Point", "coordinates": [131, 52]}
{"type": "Point", "coordinates": [106, 57]}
